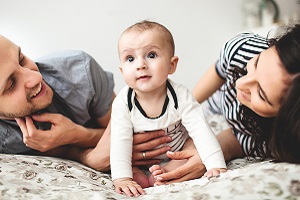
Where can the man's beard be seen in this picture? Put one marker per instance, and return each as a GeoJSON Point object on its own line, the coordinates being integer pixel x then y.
{"type": "Point", "coordinates": [23, 113]}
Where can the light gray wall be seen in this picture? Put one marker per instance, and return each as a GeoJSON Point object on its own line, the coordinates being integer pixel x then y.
{"type": "Point", "coordinates": [199, 28]}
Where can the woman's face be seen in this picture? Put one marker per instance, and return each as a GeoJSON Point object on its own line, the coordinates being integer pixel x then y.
{"type": "Point", "coordinates": [263, 87]}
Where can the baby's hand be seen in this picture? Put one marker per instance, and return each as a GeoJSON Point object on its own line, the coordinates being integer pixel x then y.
{"type": "Point", "coordinates": [214, 172]}
{"type": "Point", "coordinates": [128, 186]}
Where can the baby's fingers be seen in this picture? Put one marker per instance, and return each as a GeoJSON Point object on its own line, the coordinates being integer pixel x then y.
{"type": "Point", "coordinates": [214, 172]}
{"type": "Point", "coordinates": [130, 190]}
{"type": "Point", "coordinates": [136, 190]}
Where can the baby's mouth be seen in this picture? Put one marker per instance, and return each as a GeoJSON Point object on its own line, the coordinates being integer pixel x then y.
{"type": "Point", "coordinates": [143, 77]}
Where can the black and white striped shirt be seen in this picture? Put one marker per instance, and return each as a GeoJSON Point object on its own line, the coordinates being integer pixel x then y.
{"type": "Point", "coordinates": [236, 53]}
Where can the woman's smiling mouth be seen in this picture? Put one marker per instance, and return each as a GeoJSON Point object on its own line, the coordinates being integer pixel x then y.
{"type": "Point", "coordinates": [245, 96]}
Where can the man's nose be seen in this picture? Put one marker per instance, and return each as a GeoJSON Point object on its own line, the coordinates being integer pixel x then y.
{"type": "Point", "coordinates": [30, 77]}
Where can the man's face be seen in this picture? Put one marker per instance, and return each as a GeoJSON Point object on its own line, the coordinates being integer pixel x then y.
{"type": "Point", "coordinates": [22, 89]}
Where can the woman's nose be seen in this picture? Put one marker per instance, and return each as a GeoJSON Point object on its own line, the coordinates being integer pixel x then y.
{"type": "Point", "coordinates": [245, 83]}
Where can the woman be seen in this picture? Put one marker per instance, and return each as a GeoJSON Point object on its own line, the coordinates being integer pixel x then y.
{"type": "Point", "coordinates": [256, 84]}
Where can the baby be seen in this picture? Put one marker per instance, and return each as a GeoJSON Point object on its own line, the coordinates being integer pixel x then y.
{"type": "Point", "coordinates": [151, 101]}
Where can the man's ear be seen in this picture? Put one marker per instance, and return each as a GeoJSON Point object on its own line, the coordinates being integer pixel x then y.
{"type": "Point", "coordinates": [173, 64]}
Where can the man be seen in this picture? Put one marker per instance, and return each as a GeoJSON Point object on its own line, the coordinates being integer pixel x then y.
{"type": "Point", "coordinates": [60, 106]}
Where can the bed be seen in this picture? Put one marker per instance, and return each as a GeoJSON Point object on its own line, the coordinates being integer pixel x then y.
{"type": "Point", "coordinates": [36, 177]}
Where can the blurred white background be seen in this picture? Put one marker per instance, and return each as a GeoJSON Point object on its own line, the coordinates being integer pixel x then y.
{"type": "Point", "coordinates": [199, 28]}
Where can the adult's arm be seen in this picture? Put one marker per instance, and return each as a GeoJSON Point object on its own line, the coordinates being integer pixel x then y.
{"type": "Point", "coordinates": [230, 145]}
{"type": "Point", "coordinates": [63, 132]}
{"type": "Point", "coordinates": [207, 84]}
{"type": "Point", "coordinates": [194, 168]}
{"type": "Point", "coordinates": [99, 157]}
{"type": "Point", "coordinates": [66, 139]}
{"type": "Point", "coordinates": [56, 143]}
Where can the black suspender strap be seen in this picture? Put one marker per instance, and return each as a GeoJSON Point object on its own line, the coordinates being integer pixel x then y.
{"type": "Point", "coordinates": [169, 86]}
{"type": "Point", "coordinates": [129, 98]}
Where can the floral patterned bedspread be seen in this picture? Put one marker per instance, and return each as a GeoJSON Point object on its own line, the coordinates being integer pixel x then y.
{"type": "Point", "coordinates": [36, 177]}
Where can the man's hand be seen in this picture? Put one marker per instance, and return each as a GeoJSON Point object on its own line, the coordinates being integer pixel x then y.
{"type": "Point", "coordinates": [61, 133]}
{"type": "Point", "coordinates": [192, 169]}
{"type": "Point", "coordinates": [144, 145]}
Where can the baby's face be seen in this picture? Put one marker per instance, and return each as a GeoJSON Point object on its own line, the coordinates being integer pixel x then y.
{"type": "Point", "coordinates": [146, 59]}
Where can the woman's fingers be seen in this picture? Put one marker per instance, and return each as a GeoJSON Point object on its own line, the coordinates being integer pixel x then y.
{"type": "Point", "coordinates": [183, 173]}
{"type": "Point", "coordinates": [192, 169]}
{"type": "Point", "coordinates": [179, 155]}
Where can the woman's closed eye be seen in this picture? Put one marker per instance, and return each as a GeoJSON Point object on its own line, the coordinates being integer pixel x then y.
{"type": "Point", "coordinates": [263, 95]}
{"type": "Point", "coordinates": [260, 93]}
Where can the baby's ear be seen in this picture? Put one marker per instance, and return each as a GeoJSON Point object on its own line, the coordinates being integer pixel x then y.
{"type": "Point", "coordinates": [173, 64]}
{"type": "Point", "coordinates": [121, 70]}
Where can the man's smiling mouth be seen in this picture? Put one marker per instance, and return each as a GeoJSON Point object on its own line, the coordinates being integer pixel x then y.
{"type": "Point", "coordinates": [37, 91]}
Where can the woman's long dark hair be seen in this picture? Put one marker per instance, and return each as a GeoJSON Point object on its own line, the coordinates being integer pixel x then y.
{"type": "Point", "coordinates": [285, 140]}
{"type": "Point", "coordinates": [279, 137]}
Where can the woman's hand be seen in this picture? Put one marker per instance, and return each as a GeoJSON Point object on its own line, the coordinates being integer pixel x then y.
{"type": "Point", "coordinates": [192, 169]}
{"type": "Point", "coordinates": [144, 145]}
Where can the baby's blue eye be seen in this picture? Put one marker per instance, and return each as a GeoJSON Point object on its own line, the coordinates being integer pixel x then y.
{"type": "Point", "coordinates": [152, 55]}
{"type": "Point", "coordinates": [130, 59]}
